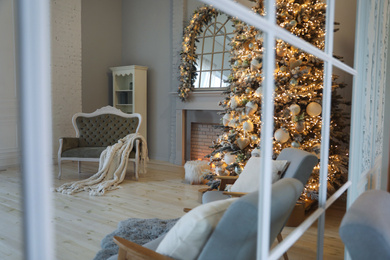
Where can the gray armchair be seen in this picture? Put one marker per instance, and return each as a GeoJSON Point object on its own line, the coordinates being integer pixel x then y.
{"type": "Point", "coordinates": [365, 228]}
{"type": "Point", "coordinates": [235, 235]}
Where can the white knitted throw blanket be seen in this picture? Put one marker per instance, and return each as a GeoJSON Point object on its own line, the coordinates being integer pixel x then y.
{"type": "Point", "coordinates": [112, 168]}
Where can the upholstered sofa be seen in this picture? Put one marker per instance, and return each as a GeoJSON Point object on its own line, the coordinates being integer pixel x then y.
{"type": "Point", "coordinates": [94, 132]}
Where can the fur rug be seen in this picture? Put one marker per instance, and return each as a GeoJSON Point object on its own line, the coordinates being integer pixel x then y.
{"type": "Point", "coordinates": [137, 230]}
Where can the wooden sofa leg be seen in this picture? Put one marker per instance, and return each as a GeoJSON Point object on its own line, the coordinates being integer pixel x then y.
{"type": "Point", "coordinates": [137, 158]}
{"type": "Point", "coordinates": [79, 167]}
{"type": "Point", "coordinates": [280, 239]}
{"type": "Point", "coordinates": [59, 169]}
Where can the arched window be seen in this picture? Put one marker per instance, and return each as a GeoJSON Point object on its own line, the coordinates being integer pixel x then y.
{"type": "Point", "coordinates": [213, 52]}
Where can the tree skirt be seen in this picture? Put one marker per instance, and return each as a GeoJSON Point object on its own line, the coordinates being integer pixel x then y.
{"type": "Point", "coordinates": [139, 231]}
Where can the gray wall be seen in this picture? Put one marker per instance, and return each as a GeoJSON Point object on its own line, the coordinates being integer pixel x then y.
{"type": "Point", "coordinates": [146, 41]}
{"type": "Point", "coordinates": [139, 32]}
{"type": "Point", "coordinates": [101, 28]}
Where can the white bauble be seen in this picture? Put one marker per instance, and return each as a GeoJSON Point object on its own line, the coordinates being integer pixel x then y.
{"type": "Point", "coordinates": [234, 101]}
{"type": "Point", "coordinates": [255, 65]}
{"type": "Point", "coordinates": [229, 158]}
{"type": "Point", "coordinates": [281, 135]}
{"type": "Point", "coordinates": [226, 119]}
{"type": "Point", "coordinates": [232, 123]}
{"type": "Point", "coordinates": [295, 109]}
{"type": "Point", "coordinates": [314, 109]}
{"type": "Point", "coordinates": [247, 126]}
{"type": "Point", "coordinates": [255, 152]}
{"type": "Point", "coordinates": [295, 144]}
{"type": "Point", "coordinates": [258, 91]}
{"type": "Point", "coordinates": [250, 108]}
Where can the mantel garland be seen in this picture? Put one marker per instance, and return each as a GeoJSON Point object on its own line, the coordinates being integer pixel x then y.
{"type": "Point", "coordinates": [202, 16]}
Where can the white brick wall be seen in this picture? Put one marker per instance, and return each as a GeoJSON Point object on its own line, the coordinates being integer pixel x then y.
{"type": "Point", "coordinates": [66, 66]}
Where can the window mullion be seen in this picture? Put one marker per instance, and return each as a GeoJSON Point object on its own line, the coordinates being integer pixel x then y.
{"type": "Point", "coordinates": [267, 128]}
{"type": "Point", "coordinates": [325, 129]}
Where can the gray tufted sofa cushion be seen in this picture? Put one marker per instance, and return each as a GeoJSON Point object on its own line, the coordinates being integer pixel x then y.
{"type": "Point", "coordinates": [103, 130]}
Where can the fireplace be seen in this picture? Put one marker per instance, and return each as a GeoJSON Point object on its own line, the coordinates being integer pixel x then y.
{"type": "Point", "coordinates": [201, 115]}
{"type": "Point", "coordinates": [201, 137]}
{"type": "Point", "coordinates": [200, 132]}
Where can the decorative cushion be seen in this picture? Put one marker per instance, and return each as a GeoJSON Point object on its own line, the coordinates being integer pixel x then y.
{"type": "Point", "coordinates": [248, 181]}
{"type": "Point", "coordinates": [187, 238]}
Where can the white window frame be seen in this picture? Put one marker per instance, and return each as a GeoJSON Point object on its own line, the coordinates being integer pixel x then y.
{"type": "Point", "coordinates": [272, 31]}
{"type": "Point", "coordinates": [35, 109]}
{"type": "Point", "coordinates": [33, 19]}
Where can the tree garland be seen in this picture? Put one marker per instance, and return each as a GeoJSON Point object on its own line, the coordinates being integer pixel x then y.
{"type": "Point", "coordinates": [202, 16]}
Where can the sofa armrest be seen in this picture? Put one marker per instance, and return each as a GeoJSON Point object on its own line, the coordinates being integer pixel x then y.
{"type": "Point", "coordinates": [67, 143]}
{"type": "Point", "coordinates": [130, 250]}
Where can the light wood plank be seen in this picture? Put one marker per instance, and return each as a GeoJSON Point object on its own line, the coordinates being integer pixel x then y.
{"type": "Point", "coordinates": [81, 221]}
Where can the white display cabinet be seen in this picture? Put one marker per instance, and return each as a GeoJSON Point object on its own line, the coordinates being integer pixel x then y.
{"type": "Point", "coordinates": [130, 91]}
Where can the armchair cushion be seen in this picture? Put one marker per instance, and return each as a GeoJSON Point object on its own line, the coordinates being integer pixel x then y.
{"type": "Point", "coordinates": [248, 181]}
{"type": "Point", "coordinates": [187, 238]}
{"type": "Point", "coordinates": [88, 152]}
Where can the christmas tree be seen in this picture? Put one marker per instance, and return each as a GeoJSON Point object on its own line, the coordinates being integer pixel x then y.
{"type": "Point", "coordinates": [298, 96]}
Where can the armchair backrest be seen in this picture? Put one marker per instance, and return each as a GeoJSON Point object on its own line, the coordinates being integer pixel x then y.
{"type": "Point", "coordinates": [236, 234]}
{"type": "Point", "coordinates": [105, 126]}
{"type": "Point", "coordinates": [301, 163]}
{"type": "Point", "coordinates": [365, 228]}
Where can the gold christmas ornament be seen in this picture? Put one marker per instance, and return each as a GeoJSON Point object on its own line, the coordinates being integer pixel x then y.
{"type": "Point", "coordinates": [314, 109]}
{"type": "Point", "coordinates": [254, 138]}
{"type": "Point", "coordinates": [242, 142]}
{"type": "Point", "coordinates": [295, 109]}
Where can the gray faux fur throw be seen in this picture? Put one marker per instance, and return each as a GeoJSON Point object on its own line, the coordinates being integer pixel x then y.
{"type": "Point", "coordinates": [137, 230]}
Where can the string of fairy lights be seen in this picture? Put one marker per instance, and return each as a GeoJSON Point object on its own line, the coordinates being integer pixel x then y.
{"type": "Point", "coordinates": [298, 93]}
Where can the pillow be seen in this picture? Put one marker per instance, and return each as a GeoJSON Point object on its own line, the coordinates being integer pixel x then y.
{"type": "Point", "coordinates": [187, 237]}
{"type": "Point", "coordinates": [248, 181]}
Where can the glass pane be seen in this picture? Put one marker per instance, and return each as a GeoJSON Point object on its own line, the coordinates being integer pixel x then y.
{"type": "Point", "coordinates": [198, 61]}
{"type": "Point", "coordinates": [209, 30]}
{"type": "Point", "coordinates": [344, 37]}
{"type": "Point", "coordinates": [225, 76]}
{"type": "Point", "coordinates": [222, 18]}
{"type": "Point", "coordinates": [217, 61]}
{"type": "Point", "coordinates": [229, 27]}
{"type": "Point", "coordinates": [205, 79]}
{"type": "Point", "coordinates": [220, 29]}
{"type": "Point", "coordinates": [215, 79]}
{"type": "Point", "coordinates": [206, 62]}
{"type": "Point", "coordinates": [226, 61]}
{"type": "Point", "coordinates": [208, 45]}
{"type": "Point", "coordinates": [219, 43]}
{"type": "Point", "coordinates": [199, 45]}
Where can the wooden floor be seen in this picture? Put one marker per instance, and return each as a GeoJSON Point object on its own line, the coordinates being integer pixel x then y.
{"type": "Point", "coordinates": [81, 221]}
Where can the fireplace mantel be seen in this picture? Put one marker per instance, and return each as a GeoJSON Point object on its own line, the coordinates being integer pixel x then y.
{"type": "Point", "coordinates": [198, 101]}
